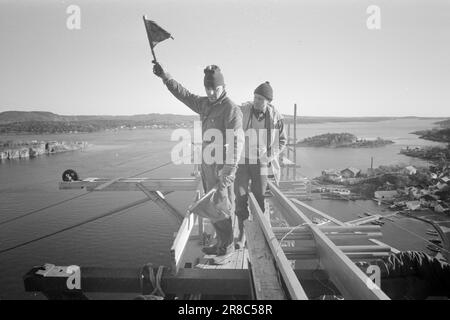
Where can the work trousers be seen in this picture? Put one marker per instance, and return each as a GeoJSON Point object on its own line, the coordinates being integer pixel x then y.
{"type": "Point", "coordinates": [245, 173]}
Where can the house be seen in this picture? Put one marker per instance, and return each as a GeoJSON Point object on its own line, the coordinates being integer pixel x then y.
{"type": "Point", "coordinates": [332, 174]}
{"type": "Point", "coordinates": [443, 182]}
{"type": "Point", "coordinates": [386, 195]}
{"type": "Point", "coordinates": [340, 191]}
{"type": "Point", "coordinates": [413, 205]}
{"type": "Point", "coordinates": [350, 172]}
{"type": "Point", "coordinates": [444, 179]}
{"type": "Point", "coordinates": [410, 170]}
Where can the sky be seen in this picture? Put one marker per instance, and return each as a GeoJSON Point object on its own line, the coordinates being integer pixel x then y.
{"type": "Point", "coordinates": [319, 54]}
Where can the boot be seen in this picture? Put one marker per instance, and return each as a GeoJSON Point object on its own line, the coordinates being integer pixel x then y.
{"type": "Point", "coordinates": [223, 251]}
{"type": "Point", "coordinates": [241, 229]}
{"type": "Point", "coordinates": [210, 250]}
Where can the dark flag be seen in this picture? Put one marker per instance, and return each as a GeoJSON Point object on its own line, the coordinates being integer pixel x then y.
{"type": "Point", "coordinates": [155, 33]}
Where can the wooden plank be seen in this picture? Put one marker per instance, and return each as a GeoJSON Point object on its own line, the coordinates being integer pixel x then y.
{"type": "Point", "coordinates": [366, 255]}
{"type": "Point", "coordinates": [181, 239]}
{"type": "Point", "coordinates": [162, 203]}
{"type": "Point", "coordinates": [130, 184]}
{"type": "Point", "coordinates": [326, 216]}
{"type": "Point", "coordinates": [311, 251]}
{"type": "Point", "coordinates": [245, 260]}
{"type": "Point", "coordinates": [351, 281]}
{"type": "Point", "coordinates": [296, 291]}
{"type": "Point", "coordinates": [364, 220]}
{"type": "Point", "coordinates": [365, 248]}
{"type": "Point", "coordinates": [240, 259]}
{"type": "Point", "coordinates": [266, 283]}
{"type": "Point", "coordinates": [378, 242]}
{"type": "Point", "coordinates": [330, 229]}
{"type": "Point", "coordinates": [106, 184]}
{"type": "Point", "coordinates": [333, 236]}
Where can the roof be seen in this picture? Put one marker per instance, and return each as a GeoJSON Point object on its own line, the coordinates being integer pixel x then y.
{"type": "Point", "coordinates": [410, 169]}
{"type": "Point", "coordinates": [331, 171]}
{"type": "Point", "coordinates": [385, 193]}
{"type": "Point", "coordinates": [354, 170]}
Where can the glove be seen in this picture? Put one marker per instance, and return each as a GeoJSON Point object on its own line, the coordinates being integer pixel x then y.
{"type": "Point", "coordinates": [225, 181]}
{"type": "Point", "coordinates": [158, 70]}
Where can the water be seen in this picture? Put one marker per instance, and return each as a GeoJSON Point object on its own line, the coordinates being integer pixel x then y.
{"type": "Point", "coordinates": [145, 234]}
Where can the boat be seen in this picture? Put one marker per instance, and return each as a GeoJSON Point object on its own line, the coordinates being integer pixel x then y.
{"type": "Point", "coordinates": [432, 232]}
{"type": "Point", "coordinates": [433, 248]}
{"type": "Point", "coordinates": [436, 241]}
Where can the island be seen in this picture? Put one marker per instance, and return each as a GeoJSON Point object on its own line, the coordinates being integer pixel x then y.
{"type": "Point", "coordinates": [342, 140]}
{"type": "Point", "coordinates": [432, 153]}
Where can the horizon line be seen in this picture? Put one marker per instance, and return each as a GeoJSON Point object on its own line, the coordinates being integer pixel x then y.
{"type": "Point", "coordinates": [194, 114]}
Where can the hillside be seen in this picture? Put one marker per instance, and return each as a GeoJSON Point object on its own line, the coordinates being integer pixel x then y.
{"type": "Point", "coordinates": [23, 116]}
{"type": "Point", "coordinates": [444, 123]}
{"type": "Point", "coordinates": [18, 116]}
{"type": "Point", "coordinates": [36, 122]}
{"type": "Point", "coordinates": [438, 135]}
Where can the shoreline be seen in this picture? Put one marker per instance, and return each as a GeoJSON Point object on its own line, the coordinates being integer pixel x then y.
{"type": "Point", "coordinates": [33, 149]}
{"type": "Point", "coordinates": [427, 217]}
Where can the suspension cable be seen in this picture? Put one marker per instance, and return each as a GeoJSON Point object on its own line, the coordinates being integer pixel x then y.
{"type": "Point", "coordinates": [109, 213]}
{"type": "Point", "coordinates": [73, 198]}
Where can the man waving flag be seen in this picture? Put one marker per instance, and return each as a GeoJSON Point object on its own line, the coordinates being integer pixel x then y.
{"type": "Point", "coordinates": [155, 34]}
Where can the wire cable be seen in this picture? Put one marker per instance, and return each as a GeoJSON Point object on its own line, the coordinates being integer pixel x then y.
{"type": "Point", "coordinates": [44, 208]}
{"type": "Point", "coordinates": [73, 198]}
{"type": "Point", "coordinates": [109, 213]}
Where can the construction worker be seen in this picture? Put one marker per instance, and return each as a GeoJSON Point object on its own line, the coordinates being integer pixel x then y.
{"type": "Point", "coordinates": [265, 139]}
{"type": "Point", "coordinates": [217, 113]}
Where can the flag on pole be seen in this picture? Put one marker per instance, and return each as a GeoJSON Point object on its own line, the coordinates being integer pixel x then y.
{"type": "Point", "coordinates": [155, 33]}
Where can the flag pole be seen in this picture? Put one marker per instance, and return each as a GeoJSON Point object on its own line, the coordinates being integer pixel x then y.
{"type": "Point", "coordinates": [149, 39]}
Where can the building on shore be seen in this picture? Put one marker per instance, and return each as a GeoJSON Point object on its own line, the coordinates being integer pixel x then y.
{"type": "Point", "coordinates": [386, 195]}
{"type": "Point", "coordinates": [410, 170]}
{"type": "Point", "coordinates": [332, 175]}
{"type": "Point", "coordinates": [350, 172]}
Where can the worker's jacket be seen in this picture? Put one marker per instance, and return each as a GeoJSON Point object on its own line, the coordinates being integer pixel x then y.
{"type": "Point", "coordinates": [277, 143]}
{"type": "Point", "coordinates": [221, 115]}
